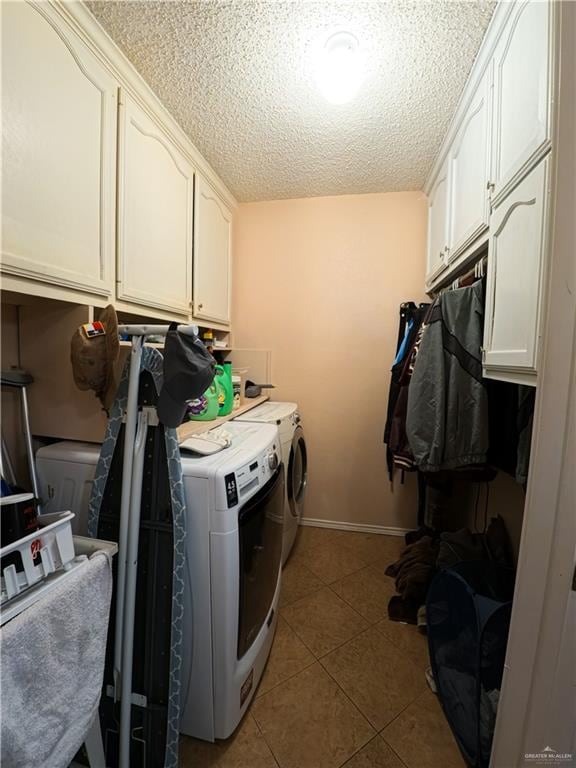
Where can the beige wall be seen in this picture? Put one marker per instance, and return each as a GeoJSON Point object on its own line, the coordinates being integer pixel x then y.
{"type": "Point", "coordinates": [318, 281]}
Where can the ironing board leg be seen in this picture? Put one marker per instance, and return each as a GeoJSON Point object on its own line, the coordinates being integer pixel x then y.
{"type": "Point", "coordinates": [94, 746]}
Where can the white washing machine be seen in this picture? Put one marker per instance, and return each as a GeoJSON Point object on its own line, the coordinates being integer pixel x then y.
{"type": "Point", "coordinates": [294, 457]}
{"type": "Point", "coordinates": [235, 501]}
{"type": "Point", "coordinates": [235, 505]}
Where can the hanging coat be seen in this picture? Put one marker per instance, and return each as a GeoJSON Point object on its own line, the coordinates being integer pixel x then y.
{"type": "Point", "coordinates": [410, 321]}
{"type": "Point", "coordinates": [397, 440]}
{"type": "Point", "coordinates": [447, 413]}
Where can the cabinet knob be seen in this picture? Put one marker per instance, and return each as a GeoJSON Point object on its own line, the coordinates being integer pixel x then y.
{"type": "Point", "coordinates": [200, 306]}
{"type": "Point", "coordinates": [490, 186]}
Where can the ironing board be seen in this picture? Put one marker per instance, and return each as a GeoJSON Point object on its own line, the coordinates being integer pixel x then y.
{"type": "Point", "coordinates": [138, 500]}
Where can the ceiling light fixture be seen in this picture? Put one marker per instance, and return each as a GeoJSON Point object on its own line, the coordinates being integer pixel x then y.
{"type": "Point", "coordinates": [340, 68]}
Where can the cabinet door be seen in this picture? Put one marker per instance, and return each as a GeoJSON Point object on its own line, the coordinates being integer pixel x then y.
{"type": "Point", "coordinates": [156, 193]}
{"type": "Point", "coordinates": [469, 199]}
{"type": "Point", "coordinates": [438, 225]}
{"type": "Point", "coordinates": [59, 153]}
{"type": "Point", "coordinates": [521, 92]}
{"type": "Point", "coordinates": [212, 255]}
{"type": "Point", "coordinates": [515, 257]}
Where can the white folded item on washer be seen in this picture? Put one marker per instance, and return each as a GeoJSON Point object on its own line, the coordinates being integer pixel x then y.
{"type": "Point", "coordinates": [209, 442]}
{"type": "Point", "coordinates": [52, 667]}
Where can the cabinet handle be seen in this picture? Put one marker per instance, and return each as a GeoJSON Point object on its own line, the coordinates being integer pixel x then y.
{"type": "Point", "coordinates": [490, 186]}
{"type": "Point", "coordinates": [200, 306]}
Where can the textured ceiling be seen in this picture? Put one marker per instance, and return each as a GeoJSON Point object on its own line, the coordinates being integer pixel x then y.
{"type": "Point", "coordinates": [238, 77]}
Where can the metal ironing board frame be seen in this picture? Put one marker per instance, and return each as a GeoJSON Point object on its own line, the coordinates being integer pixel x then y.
{"type": "Point", "coordinates": [132, 475]}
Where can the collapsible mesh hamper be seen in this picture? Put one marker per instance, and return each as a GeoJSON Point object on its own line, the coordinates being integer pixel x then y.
{"type": "Point", "coordinates": [468, 614]}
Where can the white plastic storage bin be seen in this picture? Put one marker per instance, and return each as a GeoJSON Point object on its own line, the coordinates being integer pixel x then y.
{"type": "Point", "coordinates": [81, 549]}
{"type": "Point", "coordinates": [55, 547]}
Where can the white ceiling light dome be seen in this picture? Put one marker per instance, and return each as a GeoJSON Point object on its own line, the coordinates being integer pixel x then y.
{"type": "Point", "coordinates": [340, 67]}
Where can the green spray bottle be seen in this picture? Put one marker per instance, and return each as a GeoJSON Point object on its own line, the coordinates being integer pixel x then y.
{"type": "Point", "coordinates": [226, 391]}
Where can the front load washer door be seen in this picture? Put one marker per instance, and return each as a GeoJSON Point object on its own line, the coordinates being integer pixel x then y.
{"type": "Point", "coordinates": [260, 525]}
{"type": "Point", "coordinates": [297, 474]}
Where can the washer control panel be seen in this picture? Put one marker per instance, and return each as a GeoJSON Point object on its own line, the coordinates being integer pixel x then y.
{"type": "Point", "coordinates": [249, 477]}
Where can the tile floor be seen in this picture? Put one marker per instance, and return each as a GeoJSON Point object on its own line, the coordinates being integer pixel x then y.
{"type": "Point", "coordinates": [344, 686]}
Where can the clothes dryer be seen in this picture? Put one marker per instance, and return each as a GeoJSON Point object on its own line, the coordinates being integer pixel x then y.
{"type": "Point", "coordinates": [294, 456]}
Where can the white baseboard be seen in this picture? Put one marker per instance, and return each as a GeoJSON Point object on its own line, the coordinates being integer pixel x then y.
{"type": "Point", "coordinates": [359, 527]}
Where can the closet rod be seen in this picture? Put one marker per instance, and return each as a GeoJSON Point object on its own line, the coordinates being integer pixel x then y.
{"type": "Point", "coordinates": [475, 272]}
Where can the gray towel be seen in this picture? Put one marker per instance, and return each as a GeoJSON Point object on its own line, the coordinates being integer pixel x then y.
{"type": "Point", "coordinates": [52, 665]}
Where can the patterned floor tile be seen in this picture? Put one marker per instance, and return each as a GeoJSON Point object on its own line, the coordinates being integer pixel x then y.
{"type": "Point", "coordinates": [323, 621]}
{"type": "Point", "coordinates": [380, 679]}
{"type": "Point", "coordinates": [310, 723]}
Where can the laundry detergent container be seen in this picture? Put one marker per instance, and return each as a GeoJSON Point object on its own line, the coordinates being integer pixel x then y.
{"type": "Point", "coordinates": [468, 615]}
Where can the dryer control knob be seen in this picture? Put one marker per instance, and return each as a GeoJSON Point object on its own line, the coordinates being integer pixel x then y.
{"type": "Point", "coordinates": [273, 460]}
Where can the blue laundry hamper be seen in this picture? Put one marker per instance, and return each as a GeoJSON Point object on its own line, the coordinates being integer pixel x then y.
{"type": "Point", "coordinates": [468, 616]}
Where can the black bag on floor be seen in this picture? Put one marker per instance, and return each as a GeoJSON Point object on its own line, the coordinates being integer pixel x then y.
{"type": "Point", "coordinates": [468, 613]}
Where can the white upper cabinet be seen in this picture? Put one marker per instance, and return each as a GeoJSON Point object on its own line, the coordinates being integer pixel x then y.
{"type": "Point", "coordinates": [515, 266]}
{"type": "Point", "coordinates": [521, 93]}
{"type": "Point", "coordinates": [59, 153]}
{"type": "Point", "coordinates": [438, 224]}
{"type": "Point", "coordinates": [212, 255]}
{"type": "Point", "coordinates": [155, 209]}
{"type": "Point", "coordinates": [469, 168]}
{"type": "Point", "coordinates": [498, 151]}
